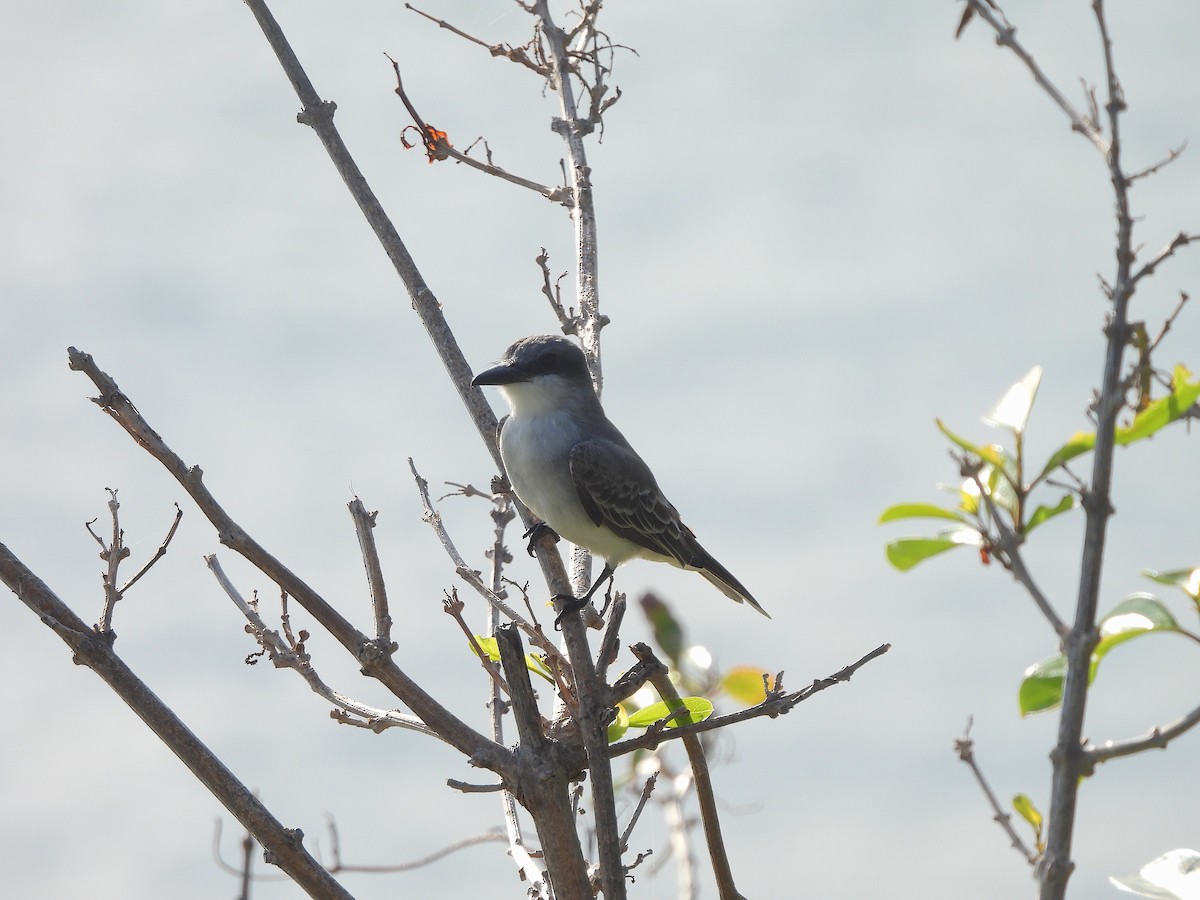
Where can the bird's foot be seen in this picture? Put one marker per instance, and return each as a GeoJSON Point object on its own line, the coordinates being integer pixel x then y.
{"type": "Point", "coordinates": [536, 533]}
{"type": "Point", "coordinates": [569, 605]}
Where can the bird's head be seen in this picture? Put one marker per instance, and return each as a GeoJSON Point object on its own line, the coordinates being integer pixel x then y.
{"type": "Point", "coordinates": [540, 373]}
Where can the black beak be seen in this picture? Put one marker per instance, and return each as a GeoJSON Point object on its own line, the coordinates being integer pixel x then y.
{"type": "Point", "coordinates": [505, 373]}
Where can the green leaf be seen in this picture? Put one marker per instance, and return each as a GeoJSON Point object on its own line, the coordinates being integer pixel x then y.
{"type": "Point", "coordinates": [492, 649]}
{"type": "Point", "coordinates": [1044, 513]}
{"type": "Point", "coordinates": [618, 726]}
{"type": "Point", "coordinates": [1187, 580]}
{"type": "Point", "coordinates": [488, 645]}
{"type": "Point", "coordinates": [745, 685]}
{"type": "Point", "coordinates": [1080, 443]}
{"type": "Point", "coordinates": [1027, 811]}
{"type": "Point", "coordinates": [698, 707]}
{"type": "Point", "coordinates": [1041, 689]}
{"type": "Point", "coordinates": [1012, 412]}
{"type": "Point", "coordinates": [1156, 416]}
{"type": "Point", "coordinates": [1137, 614]}
{"type": "Point", "coordinates": [992, 453]}
{"type": "Point", "coordinates": [668, 632]}
{"type": "Point", "coordinates": [998, 479]}
{"type": "Point", "coordinates": [918, 511]}
{"type": "Point", "coordinates": [1164, 410]}
{"type": "Point", "coordinates": [904, 553]}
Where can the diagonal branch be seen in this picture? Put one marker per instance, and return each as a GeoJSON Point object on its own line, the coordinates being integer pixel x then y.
{"type": "Point", "coordinates": [777, 703]}
{"type": "Point", "coordinates": [965, 748]}
{"type": "Point", "coordinates": [375, 660]}
{"type": "Point", "coordinates": [1157, 739]}
{"type": "Point", "coordinates": [284, 846]}
{"type": "Point", "coordinates": [1006, 36]}
{"type": "Point", "coordinates": [701, 776]}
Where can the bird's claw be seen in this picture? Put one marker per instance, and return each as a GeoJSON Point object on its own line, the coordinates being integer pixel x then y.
{"type": "Point", "coordinates": [536, 533]}
{"type": "Point", "coordinates": [570, 604]}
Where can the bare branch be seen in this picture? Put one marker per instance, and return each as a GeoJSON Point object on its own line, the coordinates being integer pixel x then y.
{"type": "Point", "coordinates": [364, 527]}
{"type": "Point", "coordinates": [519, 55]}
{"type": "Point", "coordinates": [777, 703]}
{"type": "Point", "coordinates": [472, 576]}
{"type": "Point", "coordinates": [1171, 156]}
{"type": "Point", "coordinates": [965, 748]}
{"type": "Point", "coordinates": [567, 319]}
{"type": "Point", "coordinates": [1180, 240]}
{"type": "Point", "coordinates": [647, 790]}
{"type": "Point", "coordinates": [284, 846]}
{"type": "Point", "coordinates": [1156, 739]}
{"type": "Point", "coordinates": [453, 607]}
{"type": "Point", "coordinates": [1006, 36]}
{"type": "Point", "coordinates": [374, 661]}
{"type": "Point", "coordinates": [287, 653]}
{"type": "Point", "coordinates": [159, 553]}
{"type": "Point", "coordinates": [338, 866]}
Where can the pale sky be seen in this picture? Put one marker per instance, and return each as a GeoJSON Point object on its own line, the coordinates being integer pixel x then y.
{"type": "Point", "coordinates": [821, 227]}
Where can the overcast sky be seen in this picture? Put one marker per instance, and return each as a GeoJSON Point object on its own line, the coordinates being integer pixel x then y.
{"type": "Point", "coordinates": [821, 227]}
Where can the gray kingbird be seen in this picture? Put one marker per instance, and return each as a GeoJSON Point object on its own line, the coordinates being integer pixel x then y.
{"type": "Point", "coordinates": [574, 470]}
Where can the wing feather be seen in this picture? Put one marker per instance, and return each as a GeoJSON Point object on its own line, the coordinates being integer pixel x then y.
{"type": "Point", "coordinates": [618, 490]}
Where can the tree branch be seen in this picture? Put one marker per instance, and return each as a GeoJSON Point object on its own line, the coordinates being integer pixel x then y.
{"type": "Point", "coordinates": [965, 748]}
{"type": "Point", "coordinates": [1156, 739]}
{"type": "Point", "coordinates": [701, 776]}
{"type": "Point", "coordinates": [777, 703]}
{"type": "Point", "coordinates": [1006, 36]}
{"type": "Point", "coordinates": [283, 846]}
{"type": "Point", "coordinates": [374, 660]}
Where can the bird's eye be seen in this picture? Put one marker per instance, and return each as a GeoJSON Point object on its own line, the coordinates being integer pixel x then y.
{"type": "Point", "coordinates": [548, 361]}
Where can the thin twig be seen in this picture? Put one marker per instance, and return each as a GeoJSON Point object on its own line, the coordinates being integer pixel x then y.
{"type": "Point", "coordinates": [337, 866]}
{"type": "Point", "coordinates": [364, 528]}
{"type": "Point", "coordinates": [1171, 156]}
{"type": "Point", "coordinates": [472, 576]}
{"type": "Point", "coordinates": [1006, 37]}
{"type": "Point", "coordinates": [1180, 240]}
{"type": "Point", "coordinates": [158, 554]}
{"type": "Point", "coordinates": [453, 607]}
{"type": "Point", "coordinates": [647, 790]}
{"type": "Point", "coordinates": [965, 748]}
{"type": "Point", "coordinates": [285, 654]}
{"type": "Point", "coordinates": [1013, 560]}
{"type": "Point", "coordinates": [120, 408]}
{"type": "Point", "coordinates": [438, 147]}
{"type": "Point", "coordinates": [519, 55]}
{"type": "Point", "coordinates": [777, 703]}
{"type": "Point", "coordinates": [112, 554]}
{"type": "Point", "coordinates": [1156, 739]}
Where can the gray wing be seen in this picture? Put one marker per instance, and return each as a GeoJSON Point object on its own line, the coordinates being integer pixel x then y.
{"type": "Point", "coordinates": [618, 490]}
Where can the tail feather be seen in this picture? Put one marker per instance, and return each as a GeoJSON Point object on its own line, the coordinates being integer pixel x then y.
{"type": "Point", "coordinates": [723, 580]}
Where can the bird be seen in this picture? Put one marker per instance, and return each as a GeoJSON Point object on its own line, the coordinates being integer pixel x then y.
{"type": "Point", "coordinates": [576, 472]}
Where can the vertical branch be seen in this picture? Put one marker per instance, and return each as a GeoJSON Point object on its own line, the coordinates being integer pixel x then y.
{"type": "Point", "coordinates": [1068, 755]}
{"type": "Point", "coordinates": [529, 868]}
{"type": "Point", "coordinates": [364, 524]}
{"type": "Point", "coordinates": [590, 689]}
{"type": "Point", "coordinates": [572, 129]}
{"type": "Point", "coordinates": [542, 774]}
